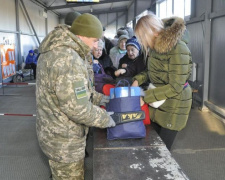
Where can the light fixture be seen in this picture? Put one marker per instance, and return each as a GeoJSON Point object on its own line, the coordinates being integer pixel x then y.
{"type": "Point", "coordinates": [73, 1]}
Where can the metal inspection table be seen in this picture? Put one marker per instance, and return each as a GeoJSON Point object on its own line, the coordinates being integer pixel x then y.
{"type": "Point", "coordinates": [133, 159]}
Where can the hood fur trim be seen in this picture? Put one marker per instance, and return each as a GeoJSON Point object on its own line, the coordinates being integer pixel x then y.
{"type": "Point", "coordinates": [173, 31]}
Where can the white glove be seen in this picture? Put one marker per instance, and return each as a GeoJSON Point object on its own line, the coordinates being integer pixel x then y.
{"type": "Point", "coordinates": [122, 71]}
{"type": "Point", "coordinates": [155, 104]}
{"type": "Point", "coordinates": [104, 100]}
{"type": "Point", "coordinates": [111, 122]}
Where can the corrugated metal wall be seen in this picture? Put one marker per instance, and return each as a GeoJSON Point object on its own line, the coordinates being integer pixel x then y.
{"type": "Point", "coordinates": [217, 71]}
{"type": "Point", "coordinates": [196, 31]}
{"type": "Point", "coordinates": [207, 44]}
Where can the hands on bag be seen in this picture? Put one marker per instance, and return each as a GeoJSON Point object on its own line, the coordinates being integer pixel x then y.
{"type": "Point", "coordinates": [142, 101]}
{"type": "Point", "coordinates": [142, 93]}
{"type": "Point", "coordinates": [95, 61]}
{"type": "Point", "coordinates": [120, 71]}
{"type": "Point", "coordinates": [104, 100]}
{"type": "Point", "coordinates": [124, 105]}
{"type": "Point", "coordinates": [135, 83]}
{"type": "Point", "coordinates": [110, 113]}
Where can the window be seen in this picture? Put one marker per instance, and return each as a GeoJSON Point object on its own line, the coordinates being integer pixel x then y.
{"type": "Point", "coordinates": [168, 8]}
{"type": "Point", "coordinates": [179, 8]}
{"type": "Point", "coordinates": [187, 6]}
{"type": "Point", "coordinates": [162, 10]}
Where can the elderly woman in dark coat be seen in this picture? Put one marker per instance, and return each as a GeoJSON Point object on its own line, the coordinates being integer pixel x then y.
{"type": "Point", "coordinates": [100, 57]}
{"type": "Point", "coordinates": [169, 68]}
{"type": "Point", "coordinates": [133, 62]}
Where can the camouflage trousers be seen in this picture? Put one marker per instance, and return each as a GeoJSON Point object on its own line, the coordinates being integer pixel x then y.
{"type": "Point", "coordinates": [67, 171]}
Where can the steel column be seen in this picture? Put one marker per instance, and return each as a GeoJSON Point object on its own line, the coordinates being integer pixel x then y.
{"type": "Point", "coordinates": [116, 21]}
{"type": "Point", "coordinates": [18, 34]}
{"type": "Point", "coordinates": [135, 13]}
{"type": "Point", "coordinates": [207, 52]}
{"type": "Point", "coordinates": [46, 25]}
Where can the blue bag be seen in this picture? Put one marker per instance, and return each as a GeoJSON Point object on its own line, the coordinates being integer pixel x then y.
{"type": "Point", "coordinates": [96, 68]}
{"type": "Point", "coordinates": [123, 92]}
{"type": "Point", "coordinates": [123, 104]}
{"type": "Point", "coordinates": [128, 130]}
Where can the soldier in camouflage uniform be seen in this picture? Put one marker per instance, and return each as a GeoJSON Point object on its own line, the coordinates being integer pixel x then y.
{"type": "Point", "coordinates": [67, 103]}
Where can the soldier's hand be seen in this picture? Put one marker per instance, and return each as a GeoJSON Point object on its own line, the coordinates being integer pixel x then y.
{"type": "Point", "coordinates": [104, 100]}
{"type": "Point", "coordinates": [110, 113]}
{"type": "Point", "coordinates": [111, 122]}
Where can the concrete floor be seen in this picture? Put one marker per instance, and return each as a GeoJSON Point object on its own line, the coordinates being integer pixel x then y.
{"type": "Point", "coordinates": [199, 149]}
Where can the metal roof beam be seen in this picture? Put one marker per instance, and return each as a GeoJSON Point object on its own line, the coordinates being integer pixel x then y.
{"type": "Point", "coordinates": [124, 13]}
{"type": "Point", "coordinates": [83, 4]}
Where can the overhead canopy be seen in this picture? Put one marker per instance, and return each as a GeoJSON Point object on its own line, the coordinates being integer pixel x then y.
{"type": "Point", "coordinates": [62, 7]}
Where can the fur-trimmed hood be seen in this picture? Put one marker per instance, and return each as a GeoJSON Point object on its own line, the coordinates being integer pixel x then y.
{"type": "Point", "coordinates": [173, 31]}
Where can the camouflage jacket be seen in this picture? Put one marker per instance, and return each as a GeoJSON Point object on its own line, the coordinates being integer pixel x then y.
{"type": "Point", "coordinates": [64, 93]}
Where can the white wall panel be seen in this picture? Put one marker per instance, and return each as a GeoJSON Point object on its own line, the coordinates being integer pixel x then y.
{"type": "Point", "coordinates": [35, 14]}
{"type": "Point", "coordinates": [8, 15]}
{"type": "Point", "coordinates": [53, 21]}
{"type": "Point", "coordinates": [24, 24]}
{"type": "Point", "coordinates": [62, 21]}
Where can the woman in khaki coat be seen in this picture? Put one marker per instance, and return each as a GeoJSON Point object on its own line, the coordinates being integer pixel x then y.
{"type": "Point", "coordinates": [168, 69]}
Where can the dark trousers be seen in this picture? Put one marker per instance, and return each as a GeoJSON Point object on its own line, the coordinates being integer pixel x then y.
{"type": "Point", "coordinates": [166, 135]}
{"type": "Point", "coordinates": [34, 66]}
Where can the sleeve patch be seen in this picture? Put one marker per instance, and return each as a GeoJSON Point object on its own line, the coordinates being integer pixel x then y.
{"type": "Point", "coordinates": [80, 92]}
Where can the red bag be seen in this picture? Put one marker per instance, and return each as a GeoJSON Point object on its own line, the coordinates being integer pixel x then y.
{"type": "Point", "coordinates": [147, 120]}
{"type": "Point", "coordinates": [106, 89]}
